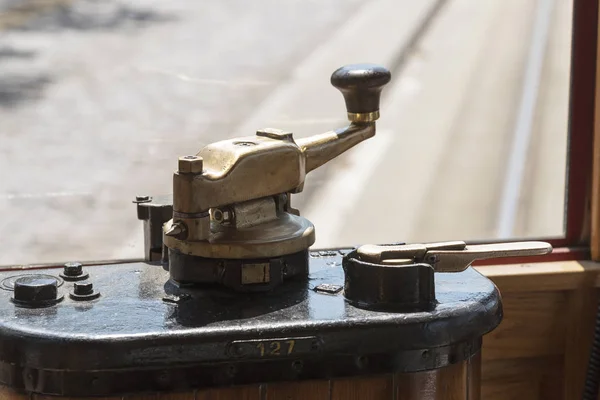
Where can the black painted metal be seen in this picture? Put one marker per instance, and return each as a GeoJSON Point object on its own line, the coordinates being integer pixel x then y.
{"type": "Point", "coordinates": [154, 211]}
{"type": "Point", "coordinates": [35, 291]}
{"type": "Point", "coordinates": [147, 333]}
{"type": "Point", "coordinates": [227, 271]}
{"type": "Point", "coordinates": [73, 271]}
{"type": "Point", "coordinates": [395, 287]}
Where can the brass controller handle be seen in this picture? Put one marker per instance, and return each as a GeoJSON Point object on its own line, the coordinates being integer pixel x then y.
{"type": "Point", "coordinates": [232, 199]}
{"type": "Point", "coordinates": [361, 86]}
{"type": "Point", "coordinates": [448, 256]}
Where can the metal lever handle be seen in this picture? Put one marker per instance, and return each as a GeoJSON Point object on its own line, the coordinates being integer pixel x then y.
{"type": "Point", "coordinates": [448, 256]}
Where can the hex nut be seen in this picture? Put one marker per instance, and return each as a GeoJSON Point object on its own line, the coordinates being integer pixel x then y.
{"type": "Point", "coordinates": [190, 165]}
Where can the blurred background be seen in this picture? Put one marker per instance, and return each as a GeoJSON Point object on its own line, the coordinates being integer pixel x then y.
{"type": "Point", "coordinates": [98, 98]}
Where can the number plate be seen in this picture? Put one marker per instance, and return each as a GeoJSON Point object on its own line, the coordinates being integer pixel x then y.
{"type": "Point", "coordinates": [281, 347]}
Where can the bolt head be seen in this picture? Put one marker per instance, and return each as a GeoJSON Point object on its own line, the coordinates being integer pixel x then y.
{"type": "Point", "coordinates": [222, 216]}
{"type": "Point", "coordinates": [190, 165]}
{"type": "Point", "coordinates": [35, 289]}
{"type": "Point", "coordinates": [73, 269]}
{"type": "Point", "coordinates": [83, 288]}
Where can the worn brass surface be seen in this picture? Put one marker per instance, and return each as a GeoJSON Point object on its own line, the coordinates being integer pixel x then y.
{"type": "Point", "coordinates": [254, 212]}
{"type": "Point", "coordinates": [448, 256]}
{"type": "Point", "coordinates": [252, 167]}
{"type": "Point", "coordinates": [287, 234]}
{"type": "Point", "coordinates": [321, 148]}
{"type": "Point", "coordinates": [255, 273]}
{"type": "Point", "coordinates": [238, 180]}
{"type": "Point", "coordinates": [364, 117]}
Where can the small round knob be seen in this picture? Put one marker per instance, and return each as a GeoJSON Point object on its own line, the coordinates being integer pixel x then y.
{"type": "Point", "coordinates": [361, 86]}
{"type": "Point", "coordinates": [36, 291]}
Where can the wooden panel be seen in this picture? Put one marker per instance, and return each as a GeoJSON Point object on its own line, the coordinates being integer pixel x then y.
{"type": "Point", "coordinates": [379, 388]}
{"type": "Point", "coordinates": [177, 396]}
{"type": "Point", "coordinates": [448, 383]}
{"type": "Point", "coordinates": [236, 393]}
{"type": "Point", "coordinates": [8, 394]}
{"type": "Point", "coordinates": [595, 187]}
{"type": "Point", "coordinates": [542, 277]}
{"type": "Point", "coordinates": [539, 378]}
{"type": "Point", "coordinates": [313, 390]}
{"type": "Point", "coordinates": [43, 397]}
{"type": "Point", "coordinates": [510, 391]}
{"type": "Point", "coordinates": [580, 320]}
{"type": "Point", "coordinates": [533, 326]}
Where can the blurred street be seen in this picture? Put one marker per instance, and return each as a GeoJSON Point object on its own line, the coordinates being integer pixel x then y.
{"type": "Point", "coordinates": [99, 98]}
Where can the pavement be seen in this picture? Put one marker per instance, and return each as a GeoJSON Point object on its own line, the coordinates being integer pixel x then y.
{"type": "Point", "coordinates": [99, 98]}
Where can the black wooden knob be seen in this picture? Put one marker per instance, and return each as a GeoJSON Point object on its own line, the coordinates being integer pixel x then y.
{"type": "Point", "coordinates": [361, 86]}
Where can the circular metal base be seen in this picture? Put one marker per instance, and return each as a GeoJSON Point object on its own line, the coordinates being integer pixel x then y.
{"type": "Point", "coordinates": [244, 275]}
{"type": "Point", "coordinates": [288, 234]}
{"type": "Point", "coordinates": [37, 304]}
{"type": "Point", "coordinates": [84, 297]}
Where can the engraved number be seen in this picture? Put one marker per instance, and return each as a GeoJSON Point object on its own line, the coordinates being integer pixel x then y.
{"type": "Point", "coordinates": [261, 347]}
{"type": "Point", "coordinates": [290, 344]}
{"type": "Point", "coordinates": [274, 348]}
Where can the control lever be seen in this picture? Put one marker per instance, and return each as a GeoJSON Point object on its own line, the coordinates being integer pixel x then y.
{"type": "Point", "coordinates": [453, 256]}
{"type": "Point", "coordinates": [233, 222]}
{"type": "Point", "coordinates": [402, 276]}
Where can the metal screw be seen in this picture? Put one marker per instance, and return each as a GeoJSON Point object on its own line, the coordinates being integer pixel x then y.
{"type": "Point", "coordinates": [83, 288]}
{"type": "Point", "coordinates": [244, 144]}
{"type": "Point", "coordinates": [222, 216]}
{"type": "Point", "coordinates": [73, 271]}
{"type": "Point", "coordinates": [84, 291]}
{"type": "Point", "coordinates": [297, 365]}
{"type": "Point", "coordinates": [432, 259]}
{"type": "Point", "coordinates": [362, 361]}
{"type": "Point", "coordinates": [142, 199]}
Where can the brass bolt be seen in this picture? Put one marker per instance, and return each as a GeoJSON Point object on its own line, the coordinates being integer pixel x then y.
{"type": "Point", "coordinates": [178, 230]}
{"type": "Point", "coordinates": [190, 165]}
{"type": "Point", "coordinates": [222, 216]}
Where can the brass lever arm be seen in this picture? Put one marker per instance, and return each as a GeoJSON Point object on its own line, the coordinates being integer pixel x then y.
{"type": "Point", "coordinates": [319, 149]}
{"type": "Point", "coordinates": [448, 256]}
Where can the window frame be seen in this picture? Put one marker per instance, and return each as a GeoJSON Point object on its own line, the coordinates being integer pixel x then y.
{"type": "Point", "coordinates": [582, 183]}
